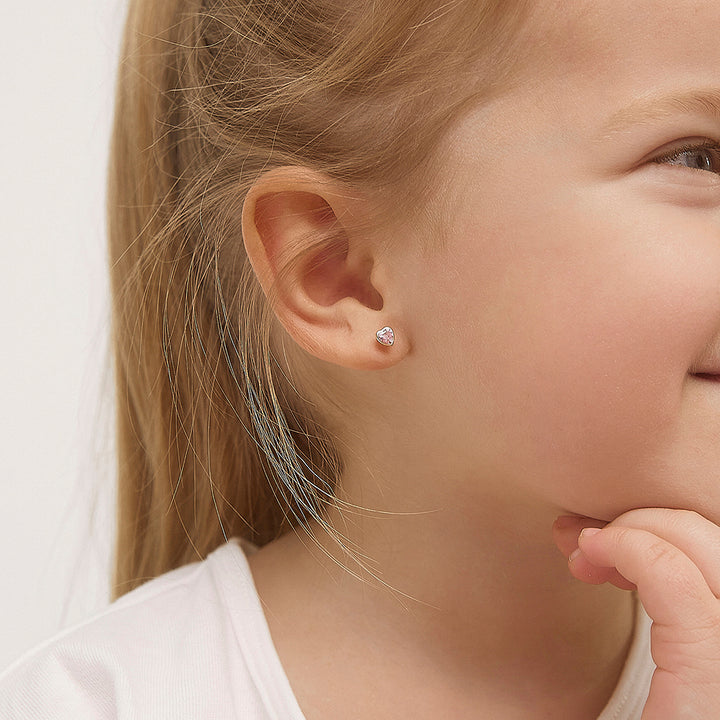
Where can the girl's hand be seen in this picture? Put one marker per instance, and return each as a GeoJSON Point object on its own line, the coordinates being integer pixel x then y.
{"type": "Point", "coordinates": [672, 558]}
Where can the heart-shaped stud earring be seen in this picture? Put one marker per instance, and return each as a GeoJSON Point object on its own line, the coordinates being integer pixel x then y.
{"type": "Point", "coordinates": [385, 336]}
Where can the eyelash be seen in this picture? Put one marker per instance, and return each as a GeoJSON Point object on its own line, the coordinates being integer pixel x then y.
{"type": "Point", "coordinates": [693, 147]}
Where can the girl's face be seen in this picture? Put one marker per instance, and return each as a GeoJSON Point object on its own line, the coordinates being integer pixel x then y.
{"type": "Point", "coordinates": [579, 292]}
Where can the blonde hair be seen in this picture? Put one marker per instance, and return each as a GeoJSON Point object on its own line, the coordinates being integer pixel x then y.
{"type": "Point", "coordinates": [213, 441]}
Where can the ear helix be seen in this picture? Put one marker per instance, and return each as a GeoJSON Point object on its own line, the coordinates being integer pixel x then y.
{"type": "Point", "coordinates": [385, 336]}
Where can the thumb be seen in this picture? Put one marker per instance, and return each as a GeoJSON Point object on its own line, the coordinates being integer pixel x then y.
{"type": "Point", "coordinates": [566, 531]}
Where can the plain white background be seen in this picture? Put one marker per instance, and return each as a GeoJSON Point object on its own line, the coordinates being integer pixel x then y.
{"type": "Point", "coordinates": [56, 438]}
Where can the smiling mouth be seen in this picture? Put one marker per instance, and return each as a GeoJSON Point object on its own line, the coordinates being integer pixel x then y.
{"type": "Point", "coordinates": [714, 377]}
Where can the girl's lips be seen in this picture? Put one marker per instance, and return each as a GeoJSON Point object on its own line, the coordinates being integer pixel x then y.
{"type": "Point", "coordinates": [715, 377]}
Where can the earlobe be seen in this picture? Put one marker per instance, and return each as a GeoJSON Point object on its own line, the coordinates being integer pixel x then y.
{"type": "Point", "coordinates": [307, 240]}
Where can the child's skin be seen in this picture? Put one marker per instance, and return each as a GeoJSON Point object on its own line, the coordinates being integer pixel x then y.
{"type": "Point", "coordinates": [544, 367]}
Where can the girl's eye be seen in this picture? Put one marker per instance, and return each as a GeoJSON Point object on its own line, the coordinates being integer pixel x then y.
{"type": "Point", "coordinates": [702, 156]}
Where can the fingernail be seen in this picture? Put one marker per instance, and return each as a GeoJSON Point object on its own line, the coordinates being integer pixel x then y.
{"type": "Point", "coordinates": [588, 532]}
{"type": "Point", "coordinates": [574, 554]}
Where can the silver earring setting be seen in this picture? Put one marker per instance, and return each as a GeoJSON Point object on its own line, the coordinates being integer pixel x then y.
{"type": "Point", "coordinates": [385, 336]}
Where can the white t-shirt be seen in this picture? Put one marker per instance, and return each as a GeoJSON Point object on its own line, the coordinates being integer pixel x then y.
{"type": "Point", "coordinates": [194, 643]}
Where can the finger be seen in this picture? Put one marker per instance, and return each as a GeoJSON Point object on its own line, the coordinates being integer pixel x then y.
{"type": "Point", "coordinates": [688, 531]}
{"type": "Point", "coordinates": [566, 530]}
{"type": "Point", "coordinates": [671, 587]}
{"type": "Point", "coordinates": [582, 569]}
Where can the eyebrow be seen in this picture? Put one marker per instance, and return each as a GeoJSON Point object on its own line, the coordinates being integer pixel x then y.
{"type": "Point", "coordinates": [652, 108]}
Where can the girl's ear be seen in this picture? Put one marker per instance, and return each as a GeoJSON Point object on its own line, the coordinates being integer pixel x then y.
{"type": "Point", "coordinates": [327, 281]}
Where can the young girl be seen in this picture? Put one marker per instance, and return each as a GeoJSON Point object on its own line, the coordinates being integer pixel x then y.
{"type": "Point", "coordinates": [406, 296]}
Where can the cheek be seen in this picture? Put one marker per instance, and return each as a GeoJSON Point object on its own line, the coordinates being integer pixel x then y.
{"type": "Point", "coordinates": [573, 348]}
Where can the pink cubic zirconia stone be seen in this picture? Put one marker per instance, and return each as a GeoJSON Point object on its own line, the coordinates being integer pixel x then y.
{"type": "Point", "coordinates": [386, 336]}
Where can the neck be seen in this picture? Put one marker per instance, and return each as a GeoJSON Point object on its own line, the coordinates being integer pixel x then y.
{"type": "Point", "coordinates": [471, 585]}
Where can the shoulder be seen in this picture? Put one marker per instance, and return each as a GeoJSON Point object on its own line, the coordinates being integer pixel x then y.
{"type": "Point", "coordinates": [165, 649]}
